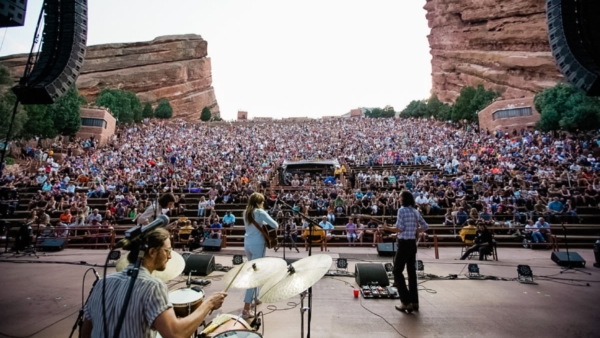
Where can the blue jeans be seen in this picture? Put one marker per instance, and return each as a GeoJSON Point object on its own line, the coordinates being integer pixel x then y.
{"type": "Point", "coordinates": [200, 211]}
{"type": "Point", "coordinates": [253, 252]}
{"type": "Point", "coordinates": [538, 237]}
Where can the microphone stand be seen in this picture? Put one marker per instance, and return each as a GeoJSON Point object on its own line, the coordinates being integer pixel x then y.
{"type": "Point", "coordinates": [133, 274]}
{"type": "Point", "coordinates": [79, 321]}
{"type": "Point", "coordinates": [309, 293]}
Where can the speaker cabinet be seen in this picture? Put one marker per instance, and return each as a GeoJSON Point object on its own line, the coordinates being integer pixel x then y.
{"type": "Point", "coordinates": [387, 249]}
{"type": "Point", "coordinates": [199, 265]}
{"type": "Point", "coordinates": [212, 244]}
{"type": "Point", "coordinates": [53, 244]}
{"type": "Point", "coordinates": [572, 259]}
{"type": "Point", "coordinates": [573, 33]}
{"type": "Point", "coordinates": [12, 13]}
{"type": "Point", "coordinates": [61, 57]}
{"type": "Point", "coordinates": [367, 273]}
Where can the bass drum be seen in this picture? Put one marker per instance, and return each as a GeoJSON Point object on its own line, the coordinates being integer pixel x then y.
{"type": "Point", "coordinates": [230, 326]}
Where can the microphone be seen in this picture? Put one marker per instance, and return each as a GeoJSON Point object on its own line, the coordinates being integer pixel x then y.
{"type": "Point", "coordinates": [138, 230]}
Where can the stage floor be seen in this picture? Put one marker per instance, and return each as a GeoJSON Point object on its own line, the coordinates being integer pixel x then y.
{"type": "Point", "coordinates": [42, 300]}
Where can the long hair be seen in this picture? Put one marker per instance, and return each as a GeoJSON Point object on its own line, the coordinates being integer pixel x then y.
{"type": "Point", "coordinates": [407, 198]}
{"type": "Point", "coordinates": [165, 199]}
{"type": "Point", "coordinates": [253, 202]}
{"type": "Point", "coordinates": [155, 239]}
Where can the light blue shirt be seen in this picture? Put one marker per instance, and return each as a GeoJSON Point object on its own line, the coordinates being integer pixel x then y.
{"type": "Point", "coordinates": [326, 226]}
{"type": "Point", "coordinates": [229, 219]}
{"type": "Point", "coordinates": [253, 236]}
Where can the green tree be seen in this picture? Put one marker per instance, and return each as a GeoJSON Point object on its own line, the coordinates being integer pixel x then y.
{"type": "Point", "coordinates": [163, 110]}
{"type": "Point", "coordinates": [65, 112]}
{"type": "Point", "coordinates": [148, 112]}
{"type": "Point", "coordinates": [7, 104]}
{"type": "Point", "coordinates": [124, 105]}
{"type": "Point", "coordinates": [470, 101]}
{"type": "Point", "coordinates": [205, 115]}
{"type": "Point", "coordinates": [416, 108]}
{"type": "Point", "coordinates": [438, 109]}
{"type": "Point", "coordinates": [564, 107]}
{"type": "Point", "coordinates": [40, 122]}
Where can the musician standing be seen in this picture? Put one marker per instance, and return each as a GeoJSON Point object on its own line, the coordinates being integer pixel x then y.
{"type": "Point", "coordinates": [254, 242]}
{"type": "Point", "coordinates": [408, 225]}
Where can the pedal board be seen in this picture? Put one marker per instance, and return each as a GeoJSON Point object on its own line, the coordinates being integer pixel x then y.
{"type": "Point", "coordinates": [376, 291]}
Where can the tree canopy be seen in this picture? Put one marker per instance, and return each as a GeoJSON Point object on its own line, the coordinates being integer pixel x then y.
{"type": "Point", "coordinates": [387, 111]}
{"type": "Point", "coordinates": [564, 107]}
{"type": "Point", "coordinates": [60, 118]}
{"type": "Point", "coordinates": [427, 108]}
{"type": "Point", "coordinates": [163, 110]}
{"type": "Point", "coordinates": [470, 101]}
{"type": "Point", "coordinates": [7, 104]}
{"type": "Point", "coordinates": [124, 105]}
{"type": "Point", "coordinates": [147, 112]}
{"type": "Point", "coordinates": [206, 114]}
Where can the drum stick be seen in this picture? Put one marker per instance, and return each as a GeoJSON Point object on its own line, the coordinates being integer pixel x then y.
{"type": "Point", "coordinates": [228, 286]}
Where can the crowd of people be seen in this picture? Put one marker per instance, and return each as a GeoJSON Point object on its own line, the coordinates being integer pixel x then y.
{"type": "Point", "coordinates": [521, 175]}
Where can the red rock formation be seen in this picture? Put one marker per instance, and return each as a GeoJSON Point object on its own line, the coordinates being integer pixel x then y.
{"type": "Point", "coordinates": [500, 43]}
{"type": "Point", "coordinates": [171, 67]}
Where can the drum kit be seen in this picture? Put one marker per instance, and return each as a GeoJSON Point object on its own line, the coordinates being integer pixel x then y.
{"type": "Point", "coordinates": [277, 280]}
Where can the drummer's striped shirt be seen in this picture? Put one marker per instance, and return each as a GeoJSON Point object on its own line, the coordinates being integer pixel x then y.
{"type": "Point", "coordinates": [148, 300]}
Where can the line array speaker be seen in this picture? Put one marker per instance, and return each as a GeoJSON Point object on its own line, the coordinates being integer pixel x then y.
{"type": "Point", "coordinates": [199, 265]}
{"type": "Point", "coordinates": [367, 273]}
{"type": "Point", "coordinates": [574, 32]}
{"type": "Point", "coordinates": [12, 13]}
{"type": "Point", "coordinates": [62, 54]}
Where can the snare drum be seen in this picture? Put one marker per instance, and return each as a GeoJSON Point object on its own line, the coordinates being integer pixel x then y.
{"type": "Point", "coordinates": [230, 326]}
{"type": "Point", "coordinates": [185, 301]}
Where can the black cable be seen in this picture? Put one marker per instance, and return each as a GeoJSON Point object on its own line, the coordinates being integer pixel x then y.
{"type": "Point", "coordinates": [273, 308]}
{"type": "Point", "coordinates": [385, 320]}
{"type": "Point", "coordinates": [48, 262]}
{"type": "Point", "coordinates": [83, 286]}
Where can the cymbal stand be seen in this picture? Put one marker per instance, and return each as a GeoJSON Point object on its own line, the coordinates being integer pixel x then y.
{"type": "Point", "coordinates": [302, 310]}
{"type": "Point", "coordinates": [309, 291]}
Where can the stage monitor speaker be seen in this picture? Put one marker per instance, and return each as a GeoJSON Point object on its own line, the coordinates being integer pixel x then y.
{"type": "Point", "coordinates": [387, 249]}
{"type": "Point", "coordinates": [212, 244]}
{"type": "Point", "coordinates": [368, 273]}
{"type": "Point", "coordinates": [562, 259]}
{"type": "Point", "coordinates": [573, 33]}
{"type": "Point", "coordinates": [61, 57]}
{"type": "Point", "coordinates": [12, 13]}
{"type": "Point", "coordinates": [199, 265]}
{"type": "Point", "coordinates": [53, 244]}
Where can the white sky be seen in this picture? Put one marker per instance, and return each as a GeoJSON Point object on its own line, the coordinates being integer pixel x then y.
{"type": "Point", "coordinates": [280, 58]}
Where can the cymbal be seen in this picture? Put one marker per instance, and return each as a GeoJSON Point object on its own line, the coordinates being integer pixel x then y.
{"type": "Point", "coordinates": [305, 273]}
{"type": "Point", "coordinates": [254, 273]}
{"type": "Point", "coordinates": [175, 266]}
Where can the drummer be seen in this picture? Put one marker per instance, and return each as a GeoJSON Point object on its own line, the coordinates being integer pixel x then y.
{"type": "Point", "coordinates": [254, 242]}
{"type": "Point", "coordinates": [149, 307]}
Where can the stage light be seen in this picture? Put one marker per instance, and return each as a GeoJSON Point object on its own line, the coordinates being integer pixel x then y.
{"type": "Point", "coordinates": [114, 255]}
{"type": "Point", "coordinates": [474, 271]}
{"type": "Point", "coordinates": [342, 263]}
{"type": "Point", "coordinates": [420, 268]}
{"type": "Point", "coordinates": [389, 267]}
{"type": "Point", "coordinates": [525, 275]}
{"type": "Point", "coordinates": [238, 259]}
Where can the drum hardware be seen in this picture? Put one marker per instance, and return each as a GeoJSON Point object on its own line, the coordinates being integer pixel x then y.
{"type": "Point", "coordinates": [297, 279]}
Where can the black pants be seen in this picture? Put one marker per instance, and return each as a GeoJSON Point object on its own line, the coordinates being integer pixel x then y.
{"type": "Point", "coordinates": [406, 257]}
{"type": "Point", "coordinates": [483, 250]}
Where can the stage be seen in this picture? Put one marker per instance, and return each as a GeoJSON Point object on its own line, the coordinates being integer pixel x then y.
{"type": "Point", "coordinates": [42, 300]}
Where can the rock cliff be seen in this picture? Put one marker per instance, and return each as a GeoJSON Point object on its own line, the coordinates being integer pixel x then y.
{"type": "Point", "coordinates": [500, 43]}
{"type": "Point", "coordinates": [173, 67]}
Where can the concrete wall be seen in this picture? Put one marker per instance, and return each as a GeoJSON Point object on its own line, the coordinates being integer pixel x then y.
{"type": "Point", "coordinates": [486, 120]}
{"type": "Point", "coordinates": [242, 115]}
{"type": "Point", "coordinates": [99, 133]}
